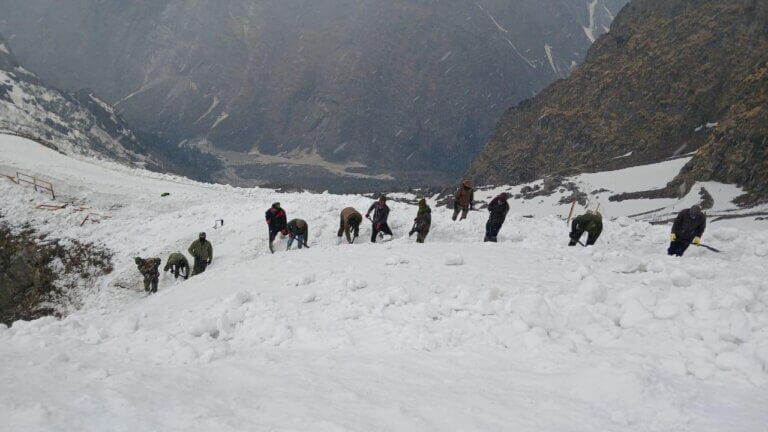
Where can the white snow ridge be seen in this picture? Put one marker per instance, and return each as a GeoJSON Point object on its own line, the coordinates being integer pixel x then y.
{"type": "Point", "coordinates": [453, 335]}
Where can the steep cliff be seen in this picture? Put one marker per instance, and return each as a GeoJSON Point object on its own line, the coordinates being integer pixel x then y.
{"type": "Point", "coordinates": [672, 77]}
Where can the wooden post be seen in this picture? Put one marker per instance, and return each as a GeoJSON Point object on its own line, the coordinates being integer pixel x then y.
{"type": "Point", "coordinates": [570, 215]}
{"type": "Point", "coordinates": [53, 195]}
{"type": "Point", "coordinates": [34, 183]}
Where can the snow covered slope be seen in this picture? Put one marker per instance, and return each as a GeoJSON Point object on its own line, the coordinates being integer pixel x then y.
{"type": "Point", "coordinates": [455, 334]}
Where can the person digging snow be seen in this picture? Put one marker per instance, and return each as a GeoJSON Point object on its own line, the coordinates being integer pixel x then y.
{"type": "Point", "coordinates": [464, 200]}
{"type": "Point", "coordinates": [688, 228]}
{"type": "Point", "coordinates": [277, 222]}
{"type": "Point", "coordinates": [380, 216]}
{"type": "Point", "coordinates": [423, 222]}
{"type": "Point", "coordinates": [149, 269]}
{"type": "Point", "coordinates": [202, 251]}
{"type": "Point", "coordinates": [350, 224]}
{"type": "Point", "coordinates": [591, 223]}
{"type": "Point", "coordinates": [178, 265]}
{"type": "Point", "coordinates": [297, 230]}
{"type": "Point", "coordinates": [498, 208]}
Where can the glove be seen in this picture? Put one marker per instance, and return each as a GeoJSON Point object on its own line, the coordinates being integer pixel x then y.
{"type": "Point", "coordinates": [672, 237]}
{"type": "Point", "coordinates": [697, 241]}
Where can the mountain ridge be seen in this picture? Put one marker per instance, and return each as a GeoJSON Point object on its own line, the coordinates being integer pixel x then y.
{"type": "Point", "coordinates": [671, 77]}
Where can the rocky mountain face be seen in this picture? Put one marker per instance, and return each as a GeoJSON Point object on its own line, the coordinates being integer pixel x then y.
{"type": "Point", "coordinates": [305, 90]}
{"type": "Point", "coordinates": [672, 77]}
{"type": "Point", "coordinates": [81, 123]}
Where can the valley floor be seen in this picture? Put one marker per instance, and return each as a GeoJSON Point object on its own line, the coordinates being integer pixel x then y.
{"type": "Point", "coordinates": [527, 334]}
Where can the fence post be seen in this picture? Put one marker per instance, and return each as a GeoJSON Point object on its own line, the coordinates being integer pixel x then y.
{"type": "Point", "coordinates": [53, 195]}
{"type": "Point", "coordinates": [34, 183]}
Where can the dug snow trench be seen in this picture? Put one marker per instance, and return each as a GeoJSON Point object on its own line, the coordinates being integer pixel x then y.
{"type": "Point", "coordinates": [455, 334]}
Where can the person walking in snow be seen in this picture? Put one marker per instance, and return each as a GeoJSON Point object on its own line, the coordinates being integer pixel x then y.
{"type": "Point", "coordinates": [202, 251]}
{"type": "Point", "coordinates": [498, 208]}
{"type": "Point", "coordinates": [688, 228]}
{"type": "Point", "coordinates": [277, 222]}
{"type": "Point", "coordinates": [423, 222]}
{"type": "Point", "coordinates": [298, 230]}
{"type": "Point", "coordinates": [178, 265]}
{"type": "Point", "coordinates": [380, 216]}
{"type": "Point", "coordinates": [149, 269]}
{"type": "Point", "coordinates": [349, 224]}
{"type": "Point", "coordinates": [590, 222]}
{"type": "Point", "coordinates": [464, 200]}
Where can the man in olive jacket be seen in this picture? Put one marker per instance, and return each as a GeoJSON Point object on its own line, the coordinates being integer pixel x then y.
{"type": "Point", "coordinates": [590, 222]}
{"type": "Point", "coordinates": [464, 200]}
{"type": "Point", "coordinates": [423, 222]}
{"type": "Point", "coordinates": [202, 251]}
{"type": "Point", "coordinates": [688, 228]}
{"type": "Point", "coordinates": [349, 223]}
{"type": "Point", "coordinates": [178, 265]}
{"type": "Point", "coordinates": [149, 269]}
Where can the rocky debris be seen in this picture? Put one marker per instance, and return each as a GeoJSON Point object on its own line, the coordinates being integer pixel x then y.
{"type": "Point", "coordinates": [41, 276]}
{"type": "Point", "coordinates": [670, 78]}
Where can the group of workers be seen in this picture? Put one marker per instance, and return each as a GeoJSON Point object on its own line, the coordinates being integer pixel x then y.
{"type": "Point", "coordinates": [687, 229]}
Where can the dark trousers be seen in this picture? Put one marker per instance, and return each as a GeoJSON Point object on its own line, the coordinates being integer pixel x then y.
{"type": "Point", "coordinates": [421, 236]}
{"type": "Point", "coordinates": [678, 248]}
{"type": "Point", "coordinates": [150, 283]}
{"type": "Point", "coordinates": [576, 236]}
{"type": "Point", "coordinates": [178, 270]}
{"type": "Point", "coordinates": [199, 266]}
{"type": "Point", "coordinates": [383, 228]}
{"type": "Point", "coordinates": [492, 229]}
{"type": "Point", "coordinates": [464, 212]}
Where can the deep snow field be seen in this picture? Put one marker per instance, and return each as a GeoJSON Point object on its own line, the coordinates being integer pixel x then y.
{"type": "Point", "coordinates": [453, 335]}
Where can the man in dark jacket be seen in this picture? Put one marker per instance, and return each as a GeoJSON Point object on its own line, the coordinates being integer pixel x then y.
{"type": "Point", "coordinates": [464, 200]}
{"type": "Point", "coordinates": [149, 269]}
{"type": "Point", "coordinates": [498, 208]}
{"type": "Point", "coordinates": [298, 230]}
{"type": "Point", "coordinates": [422, 223]}
{"type": "Point", "coordinates": [380, 216]}
{"type": "Point", "coordinates": [688, 228]}
{"type": "Point", "coordinates": [277, 221]}
{"type": "Point", "coordinates": [178, 265]}
{"type": "Point", "coordinates": [349, 224]}
{"type": "Point", "coordinates": [590, 222]}
{"type": "Point", "coordinates": [202, 251]}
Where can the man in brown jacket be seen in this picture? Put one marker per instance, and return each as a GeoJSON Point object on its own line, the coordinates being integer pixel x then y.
{"type": "Point", "coordinates": [149, 269]}
{"type": "Point", "coordinates": [350, 221]}
{"type": "Point", "coordinates": [464, 200]}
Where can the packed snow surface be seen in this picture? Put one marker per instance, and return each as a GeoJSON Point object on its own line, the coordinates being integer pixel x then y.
{"type": "Point", "coordinates": [453, 335]}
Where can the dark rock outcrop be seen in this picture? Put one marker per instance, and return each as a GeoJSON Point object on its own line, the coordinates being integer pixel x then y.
{"type": "Point", "coordinates": [671, 77]}
{"type": "Point", "coordinates": [40, 277]}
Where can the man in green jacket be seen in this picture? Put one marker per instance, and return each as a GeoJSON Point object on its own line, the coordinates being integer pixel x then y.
{"type": "Point", "coordinates": [178, 265]}
{"type": "Point", "coordinates": [591, 222]}
{"type": "Point", "coordinates": [423, 222]}
{"type": "Point", "coordinates": [149, 269]}
{"type": "Point", "coordinates": [202, 251]}
{"type": "Point", "coordinates": [350, 222]}
{"type": "Point", "coordinates": [297, 230]}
